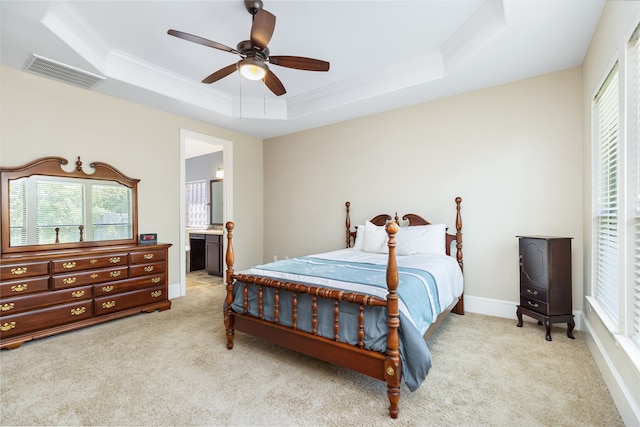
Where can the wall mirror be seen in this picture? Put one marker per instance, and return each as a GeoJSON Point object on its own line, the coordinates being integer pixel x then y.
{"type": "Point", "coordinates": [215, 197]}
{"type": "Point", "coordinates": [45, 207]}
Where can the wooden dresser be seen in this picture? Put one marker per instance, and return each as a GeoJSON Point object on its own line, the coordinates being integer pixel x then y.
{"type": "Point", "coordinates": [52, 292]}
{"type": "Point", "coordinates": [545, 281]}
{"type": "Point", "coordinates": [70, 254]}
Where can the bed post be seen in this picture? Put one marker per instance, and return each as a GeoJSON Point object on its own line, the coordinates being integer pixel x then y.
{"type": "Point", "coordinates": [392, 364]}
{"type": "Point", "coordinates": [348, 225]}
{"type": "Point", "coordinates": [459, 308]}
{"type": "Point", "coordinates": [228, 313]}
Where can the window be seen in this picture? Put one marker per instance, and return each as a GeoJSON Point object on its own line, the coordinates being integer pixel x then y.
{"type": "Point", "coordinates": [605, 194]}
{"type": "Point", "coordinates": [634, 178]}
{"type": "Point", "coordinates": [615, 293]}
{"type": "Point", "coordinates": [197, 212]}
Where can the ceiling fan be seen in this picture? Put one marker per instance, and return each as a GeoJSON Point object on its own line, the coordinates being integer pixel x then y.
{"type": "Point", "coordinates": [255, 53]}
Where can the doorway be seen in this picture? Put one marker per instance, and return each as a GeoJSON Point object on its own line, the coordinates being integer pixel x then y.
{"type": "Point", "coordinates": [194, 145]}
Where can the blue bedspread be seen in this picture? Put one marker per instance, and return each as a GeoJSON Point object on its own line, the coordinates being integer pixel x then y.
{"type": "Point", "coordinates": [418, 301]}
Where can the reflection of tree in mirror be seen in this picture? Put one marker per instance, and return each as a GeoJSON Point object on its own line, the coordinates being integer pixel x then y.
{"type": "Point", "coordinates": [61, 205]}
{"type": "Point", "coordinates": [110, 212]}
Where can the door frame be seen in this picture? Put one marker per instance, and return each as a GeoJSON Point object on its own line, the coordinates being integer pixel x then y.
{"type": "Point", "coordinates": [227, 196]}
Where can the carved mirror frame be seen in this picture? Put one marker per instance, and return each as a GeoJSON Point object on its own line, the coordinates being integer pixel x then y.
{"type": "Point", "coordinates": [52, 166]}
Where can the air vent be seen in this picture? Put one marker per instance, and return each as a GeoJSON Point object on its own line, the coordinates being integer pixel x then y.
{"type": "Point", "coordinates": [62, 72]}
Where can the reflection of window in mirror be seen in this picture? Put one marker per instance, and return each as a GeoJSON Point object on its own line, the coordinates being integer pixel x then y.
{"type": "Point", "coordinates": [216, 201]}
{"type": "Point", "coordinates": [68, 210]}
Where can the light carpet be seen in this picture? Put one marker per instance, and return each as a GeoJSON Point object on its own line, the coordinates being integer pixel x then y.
{"type": "Point", "coordinates": [173, 368]}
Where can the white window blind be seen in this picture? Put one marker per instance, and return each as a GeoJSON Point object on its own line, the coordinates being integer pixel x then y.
{"type": "Point", "coordinates": [605, 192]}
{"type": "Point", "coordinates": [197, 206]}
{"type": "Point", "coordinates": [18, 215]}
{"type": "Point", "coordinates": [634, 162]}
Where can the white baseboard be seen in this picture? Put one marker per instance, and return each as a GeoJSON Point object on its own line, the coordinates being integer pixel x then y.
{"type": "Point", "coordinates": [622, 397]}
{"type": "Point", "coordinates": [505, 309]}
{"type": "Point", "coordinates": [175, 290]}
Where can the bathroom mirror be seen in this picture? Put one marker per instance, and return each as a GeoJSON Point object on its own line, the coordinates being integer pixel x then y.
{"type": "Point", "coordinates": [215, 197]}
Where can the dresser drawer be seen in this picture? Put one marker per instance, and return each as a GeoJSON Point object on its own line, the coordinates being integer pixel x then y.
{"type": "Point", "coordinates": [16, 271]}
{"type": "Point", "coordinates": [145, 257]}
{"type": "Point", "coordinates": [13, 288]}
{"type": "Point", "coordinates": [128, 285]}
{"type": "Point", "coordinates": [44, 318]}
{"type": "Point", "coordinates": [86, 263]}
{"type": "Point", "coordinates": [89, 277]}
{"type": "Point", "coordinates": [539, 294]}
{"type": "Point", "coordinates": [146, 269]}
{"type": "Point", "coordinates": [535, 305]}
{"type": "Point", "coordinates": [111, 304]}
{"type": "Point", "coordinates": [15, 305]}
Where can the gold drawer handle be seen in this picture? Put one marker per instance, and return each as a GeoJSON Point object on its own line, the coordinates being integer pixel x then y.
{"type": "Point", "coordinates": [108, 304]}
{"type": "Point", "coordinates": [529, 291]}
{"type": "Point", "coordinates": [148, 256]}
{"type": "Point", "coordinates": [532, 304]}
{"type": "Point", "coordinates": [94, 276]}
{"type": "Point", "coordinates": [7, 326]}
{"type": "Point", "coordinates": [148, 268]}
{"type": "Point", "coordinates": [156, 294]}
{"type": "Point", "coordinates": [155, 280]}
{"type": "Point", "coordinates": [69, 280]}
{"type": "Point", "coordinates": [77, 294]}
{"type": "Point", "coordinates": [19, 288]}
{"type": "Point", "coordinates": [71, 264]}
{"type": "Point", "coordinates": [115, 273]}
{"type": "Point", "coordinates": [114, 259]}
{"type": "Point", "coordinates": [93, 261]}
{"type": "Point", "coordinates": [18, 271]}
{"type": "Point", "coordinates": [7, 307]}
{"type": "Point", "coordinates": [78, 311]}
{"type": "Point", "coordinates": [108, 288]}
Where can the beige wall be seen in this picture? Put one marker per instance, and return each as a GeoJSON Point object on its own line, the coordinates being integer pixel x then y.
{"type": "Point", "coordinates": [42, 117]}
{"type": "Point", "coordinates": [609, 43]}
{"type": "Point", "coordinates": [513, 153]}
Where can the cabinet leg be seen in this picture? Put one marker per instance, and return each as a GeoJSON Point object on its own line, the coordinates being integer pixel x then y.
{"type": "Point", "coordinates": [519, 314]}
{"type": "Point", "coordinates": [570, 325]}
{"type": "Point", "coordinates": [547, 326]}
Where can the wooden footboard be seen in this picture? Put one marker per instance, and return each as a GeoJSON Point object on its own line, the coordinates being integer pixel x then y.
{"type": "Point", "coordinates": [385, 367]}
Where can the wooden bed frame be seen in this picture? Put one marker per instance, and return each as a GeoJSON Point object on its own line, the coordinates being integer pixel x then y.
{"type": "Point", "coordinates": [383, 366]}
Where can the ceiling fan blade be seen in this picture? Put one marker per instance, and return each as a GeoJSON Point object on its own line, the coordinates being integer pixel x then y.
{"type": "Point", "coordinates": [274, 84]}
{"type": "Point", "coordinates": [262, 28]}
{"type": "Point", "coordinates": [299, 63]}
{"type": "Point", "coordinates": [221, 73]}
{"type": "Point", "coordinates": [201, 40]}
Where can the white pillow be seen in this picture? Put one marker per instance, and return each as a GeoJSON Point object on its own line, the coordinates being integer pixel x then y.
{"type": "Point", "coordinates": [430, 238]}
{"type": "Point", "coordinates": [375, 239]}
{"type": "Point", "coordinates": [406, 241]}
{"type": "Point", "coordinates": [359, 244]}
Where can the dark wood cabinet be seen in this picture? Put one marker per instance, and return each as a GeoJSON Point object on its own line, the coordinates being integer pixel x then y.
{"type": "Point", "coordinates": [545, 281]}
{"type": "Point", "coordinates": [214, 254]}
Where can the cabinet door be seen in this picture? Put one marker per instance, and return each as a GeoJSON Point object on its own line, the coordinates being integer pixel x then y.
{"type": "Point", "coordinates": [214, 255]}
{"type": "Point", "coordinates": [534, 263]}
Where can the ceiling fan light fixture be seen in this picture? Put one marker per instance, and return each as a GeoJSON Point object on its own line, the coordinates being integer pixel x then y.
{"type": "Point", "coordinates": [252, 69]}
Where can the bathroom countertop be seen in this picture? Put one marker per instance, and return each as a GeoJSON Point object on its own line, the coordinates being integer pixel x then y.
{"type": "Point", "coordinates": [204, 231]}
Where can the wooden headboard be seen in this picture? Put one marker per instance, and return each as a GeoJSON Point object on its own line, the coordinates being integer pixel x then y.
{"type": "Point", "coordinates": [413, 219]}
